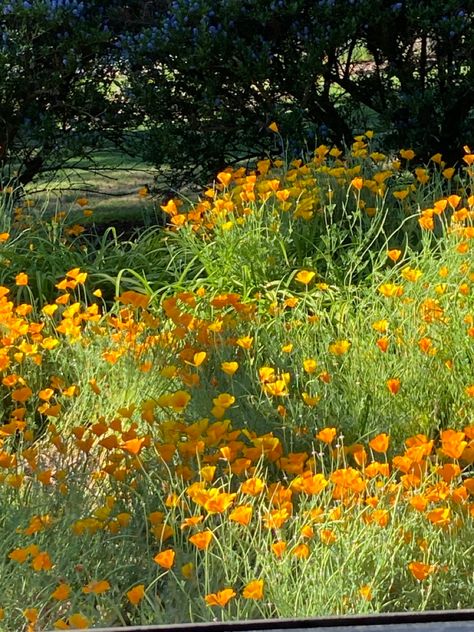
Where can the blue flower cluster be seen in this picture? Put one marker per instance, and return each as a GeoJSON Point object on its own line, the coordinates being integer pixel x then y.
{"type": "Point", "coordinates": [75, 7]}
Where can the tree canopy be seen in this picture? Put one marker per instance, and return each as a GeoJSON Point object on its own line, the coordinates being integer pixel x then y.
{"type": "Point", "coordinates": [204, 79]}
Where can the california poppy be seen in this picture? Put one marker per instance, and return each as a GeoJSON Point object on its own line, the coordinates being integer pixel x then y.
{"type": "Point", "coordinates": [253, 590]}
{"type": "Point", "coordinates": [136, 594]}
{"type": "Point", "coordinates": [165, 559]}
{"type": "Point", "coordinates": [220, 598]}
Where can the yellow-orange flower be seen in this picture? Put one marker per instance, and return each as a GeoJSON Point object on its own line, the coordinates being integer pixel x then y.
{"type": "Point", "coordinates": [220, 598]}
{"type": "Point", "coordinates": [365, 592]}
{"type": "Point", "coordinates": [42, 562]}
{"type": "Point", "coordinates": [309, 365]}
{"type": "Point", "coordinates": [253, 590]}
{"type": "Point", "coordinates": [394, 254]}
{"type": "Point", "coordinates": [165, 559]}
{"type": "Point", "coordinates": [382, 344]}
{"type": "Point", "coordinates": [339, 347]}
{"type": "Point", "coordinates": [62, 592]}
{"type": "Point", "coordinates": [136, 594]}
{"type": "Point", "coordinates": [326, 435]}
{"type": "Point", "coordinates": [279, 548]}
{"type": "Point", "coordinates": [252, 486]}
{"type": "Point", "coordinates": [96, 588]}
{"type": "Point", "coordinates": [391, 290]}
{"type": "Point", "coordinates": [241, 514]}
{"type": "Point", "coordinates": [78, 621]}
{"type": "Point", "coordinates": [202, 539]}
{"type": "Point", "coordinates": [440, 516]}
{"type": "Point", "coordinates": [420, 570]}
{"type": "Point", "coordinates": [393, 385]}
{"type": "Point", "coordinates": [357, 183]}
{"type": "Point", "coordinates": [407, 154]}
{"type": "Point", "coordinates": [301, 551]}
{"type": "Point", "coordinates": [21, 279]}
{"type": "Point", "coordinates": [245, 342]}
{"type": "Point", "coordinates": [276, 518]}
{"type": "Point", "coordinates": [469, 390]}
{"type": "Point", "coordinates": [229, 368]}
{"type": "Point", "coordinates": [224, 178]}
{"type": "Point", "coordinates": [380, 443]}
{"type": "Point", "coordinates": [327, 536]}
{"type": "Point", "coordinates": [305, 276]}
{"type": "Point", "coordinates": [381, 326]}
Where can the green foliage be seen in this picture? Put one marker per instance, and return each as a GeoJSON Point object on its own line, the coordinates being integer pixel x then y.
{"type": "Point", "coordinates": [211, 77]}
{"type": "Point", "coordinates": [44, 244]}
{"type": "Point", "coordinates": [61, 94]}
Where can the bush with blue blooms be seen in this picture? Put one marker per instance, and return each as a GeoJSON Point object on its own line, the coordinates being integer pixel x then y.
{"type": "Point", "coordinates": [204, 78]}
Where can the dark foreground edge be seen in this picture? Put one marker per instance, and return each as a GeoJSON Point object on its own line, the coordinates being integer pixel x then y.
{"type": "Point", "coordinates": [431, 621]}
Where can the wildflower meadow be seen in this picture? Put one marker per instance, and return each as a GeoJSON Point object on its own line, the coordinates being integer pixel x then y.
{"type": "Point", "coordinates": [263, 408]}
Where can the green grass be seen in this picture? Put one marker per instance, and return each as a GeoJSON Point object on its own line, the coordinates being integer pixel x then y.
{"type": "Point", "coordinates": [111, 187]}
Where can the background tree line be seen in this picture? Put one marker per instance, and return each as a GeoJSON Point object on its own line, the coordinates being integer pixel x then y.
{"type": "Point", "coordinates": [191, 85]}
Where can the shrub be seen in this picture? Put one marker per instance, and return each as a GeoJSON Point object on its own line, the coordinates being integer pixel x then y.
{"type": "Point", "coordinates": [210, 77]}
{"type": "Point", "coordinates": [60, 90]}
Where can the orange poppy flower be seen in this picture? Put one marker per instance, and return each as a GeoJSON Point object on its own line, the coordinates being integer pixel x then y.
{"type": "Point", "coordinates": [381, 517]}
{"type": "Point", "coordinates": [220, 598]}
{"type": "Point", "coordinates": [391, 290]}
{"type": "Point", "coordinates": [133, 446]}
{"type": "Point", "coordinates": [326, 435]}
{"type": "Point", "coordinates": [252, 486]}
{"type": "Point", "coordinates": [202, 539]}
{"type": "Point", "coordinates": [327, 536]}
{"type": "Point", "coordinates": [452, 443]}
{"type": "Point", "coordinates": [393, 385]}
{"type": "Point", "coordinates": [253, 590]}
{"type": "Point", "coordinates": [96, 588]}
{"type": "Point", "coordinates": [245, 342]}
{"type": "Point", "coordinates": [380, 443]}
{"type": "Point", "coordinates": [439, 516]}
{"type": "Point", "coordinates": [229, 368]}
{"type": "Point", "coordinates": [426, 222]}
{"type": "Point", "coordinates": [21, 279]}
{"type": "Point", "coordinates": [224, 177]}
{"type": "Point", "coordinates": [407, 154]}
{"type": "Point", "coordinates": [78, 621]}
{"type": "Point", "coordinates": [382, 344]}
{"type": "Point", "coordinates": [165, 559]}
{"type": "Point", "coordinates": [309, 365]}
{"type": "Point", "coordinates": [340, 347]}
{"type": "Point", "coordinates": [241, 514]}
{"type": "Point", "coordinates": [449, 471]}
{"type": "Point", "coordinates": [418, 502]}
{"type": "Point", "coordinates": [307, 531]}
{"type": "Point", "coordinates": [136, 594]}
{"type": "Point", "coordinates": [276, 518]}
{"type": "Point", "coordinates": [313, 484]}
{"type": "Point", "coordinates": [305, 276]}
{"type": "Point", "coordinates": [365, 592]}
{"type": "Point", "coordinates": [42, 562]}
{"type": "Point", "coordinates": [301, 551]}
{"type": "Point", "coordinates": [420, 570]}
{"type": "Point", "coordinates": [31, 615]}
{"type": "Point", "coordinates": [279, 548]}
